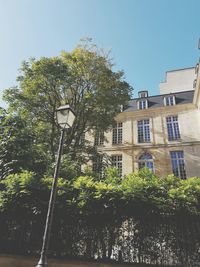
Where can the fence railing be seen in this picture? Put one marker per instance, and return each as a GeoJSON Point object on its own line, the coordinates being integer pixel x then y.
{"type": "Point", "coordinates": [164, 241]}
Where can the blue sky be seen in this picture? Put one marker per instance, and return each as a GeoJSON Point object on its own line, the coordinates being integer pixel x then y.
{"type": "Point", "coordinates": [147, 37]}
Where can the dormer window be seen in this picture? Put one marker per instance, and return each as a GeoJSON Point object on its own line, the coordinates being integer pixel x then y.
{"type": "Point", "coordinates": [143, 94]}
{"type": "Point", "coordinates": [169, 100]}
{"type": "Point", "coordinates": [143, 104]}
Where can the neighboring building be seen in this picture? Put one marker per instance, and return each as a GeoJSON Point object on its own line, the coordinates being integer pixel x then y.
{"type": "Point", "coordinates": [160, 132]}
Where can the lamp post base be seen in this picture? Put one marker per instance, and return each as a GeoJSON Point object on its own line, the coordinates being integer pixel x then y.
{"type": "Point", "coordinates": [43, 256]}
{"type": "Point", "coordinates": [42, 263]}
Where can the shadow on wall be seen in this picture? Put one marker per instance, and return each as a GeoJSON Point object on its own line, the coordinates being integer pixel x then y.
{"type": "Point", "coordinates": [191, 153]}
{"type": "Point", "coordinates": [161, 160]}
{"type": "Point", "coordinates": [162, 133]}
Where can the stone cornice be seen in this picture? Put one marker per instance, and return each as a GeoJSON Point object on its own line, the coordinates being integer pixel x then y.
{"type": "Point", "coordinates": [146, 146]}
{"type": "Point", "coordinates": [154, 112]}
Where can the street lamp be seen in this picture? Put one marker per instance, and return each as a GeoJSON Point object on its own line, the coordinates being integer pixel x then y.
{"type": "Point", "coordinates": [65, 118]}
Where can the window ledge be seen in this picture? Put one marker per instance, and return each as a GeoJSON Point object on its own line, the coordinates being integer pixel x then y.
{"type": "Point", "coordinates": [147, 142]}
{"type": "Point", "coordinates": [175, 140]}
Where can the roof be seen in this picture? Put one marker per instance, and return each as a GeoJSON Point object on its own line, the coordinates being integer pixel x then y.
{"type": "Point", "coordinates": [181, 69]}
{"type": "Point", "coordinates": [157, 100]}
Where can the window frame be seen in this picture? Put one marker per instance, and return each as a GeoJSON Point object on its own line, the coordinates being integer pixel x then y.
{"type": "Point", "coordinates": [142, 104]}
{"type": "Point", "coordinates": [169, 100]}
{"type": "Point", "coordinates": [82, 139]}
{"type": "Point", "coordinates": [178, 164]}
{"type": "Point", "coordinates": [97, 165]}
{"type": "Point", "coordinates": [173, 128]}
{"type": "Point", "coordinates": [143, 131]}
{"type": "Point", "coordinates": [146, 161]}
{"type": "Point", "coordinates": [143, 94]}
{"type": "Point", "coordinates": [117, 133]}
{"type": "Point", "coordinates": [99, 138]}
{"type": "Point", "coordinates": [117, 161]}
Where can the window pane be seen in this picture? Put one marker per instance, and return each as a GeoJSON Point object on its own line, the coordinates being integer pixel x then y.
{"type": "Point", "coordinates": [173, 128]}
{"type": "Point", "coordinates": [143, 131]}
{"type": "Point", "coordinates": [169, 100]}
{"type": "Point", "coordinates": [97, 166]}
{"type": "Point", "coordinates": [117, 133]}
{"type": "Point", "coordinates": [117, 163]}
{"type": "Point", "coordinates": [99, 138]}
{"type": "Point", "coordinates": [149, 165]}
{"type": "Point", "coordinates": [145, 156]}
{"type": "Point", "coordinates": [178, 164]}
{"type": "Point", "coordinates": [146, 160]}
{"type": "Point", "coordinates": [142, 104]}
{"type": "Point", "coordinates": [141, 165]}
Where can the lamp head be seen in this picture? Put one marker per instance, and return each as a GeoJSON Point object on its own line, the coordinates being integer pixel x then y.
{"type": "Point", "coordinates": [65, 116]}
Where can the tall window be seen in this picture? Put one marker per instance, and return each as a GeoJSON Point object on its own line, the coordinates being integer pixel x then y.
{"type": "Point", "coordinates": [178, 164]}
{"type": "Point", "coordinates": [117, 163]}
{"type": "Point", "coordinates": [142, 104]}
{"type": "Point", "coordinates": [99, 138]}
{"type": "Point", "coordinates": [146, 160]}
{"type": "Point", "coordinates": [117, 133]}
{"type": "Point", "coordinates": [97, 166]}
{"type": "Point", "coordinates": [143, 131]}
{"type": "Point", "coordinates": [169, 100]}
{"type": "Point", "coordinates": [173, 128]}
{"type": "Point", "coordinates": [82, 139]}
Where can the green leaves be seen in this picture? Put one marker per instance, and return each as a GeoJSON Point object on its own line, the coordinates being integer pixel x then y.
{"type": "Point", "coordinates": [187, 195]}
{"type": "Point", "coordinates": [82, 78]}
{"type": "Point", "coordinates": [19, 146]}
{"type": "Point", "coordinates": [139, 212]}
{"type": "Point", "coordinates": [139, 193]}
{"type": "Point", "coordinates": [136, 194]}
{"type": "Point", "coordinates": [19, 182]}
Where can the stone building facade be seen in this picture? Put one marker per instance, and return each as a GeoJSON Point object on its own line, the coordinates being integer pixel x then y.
{"type": "Point", "coordinates": [161, 132]}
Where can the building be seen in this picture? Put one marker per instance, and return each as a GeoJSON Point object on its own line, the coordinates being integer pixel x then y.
{"type": "Point", "coordinates": [161, 132]}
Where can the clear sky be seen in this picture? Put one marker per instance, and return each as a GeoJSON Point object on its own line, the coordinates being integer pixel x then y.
{"type": "Point", "coordinates": [147, 37]}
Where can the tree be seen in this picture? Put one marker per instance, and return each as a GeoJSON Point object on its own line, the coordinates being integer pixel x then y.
{"type": "Point", "coordinates": [137, 218]}
{"type": "Point", "coordinates": [18, 149]}
{"type": "Point", "coordinates": [82, 78]}
{"type": "Point", "coordinates": [5, 165]}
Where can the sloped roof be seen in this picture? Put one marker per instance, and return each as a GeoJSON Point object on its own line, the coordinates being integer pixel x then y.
{"type": "Point", "coordinates": [157, 100]}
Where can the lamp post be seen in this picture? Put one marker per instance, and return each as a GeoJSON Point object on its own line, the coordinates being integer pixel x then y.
{"type": "Point", "coordinates": [65, 118]}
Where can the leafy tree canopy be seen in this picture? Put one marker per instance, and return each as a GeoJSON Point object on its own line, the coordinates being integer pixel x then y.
{"type": "Point", "coordinates": [18, 147]}
{"type": "Point", "coordinates": [83, 78]}
{"type": "Point", "coordinates": [140, 212]}
{"type": "Point", "coordinates": [137, 194]}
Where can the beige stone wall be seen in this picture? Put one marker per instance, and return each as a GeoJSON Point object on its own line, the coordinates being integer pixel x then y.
{"type": "Point", "coordinates": [127, 158]}
{"type": "Point", "coordinates": [192, 160]}
{"type": "Point", "coordinates": [160, 158]}
{"type": "Point", "coordinates": [159, 146]}
{"type": "Point", "coordinates": [127, 132]}
{"type": "Point", "coordinates": [178, 81]}
{"type": "Point", "coordinates": [188, 117]}
{"type": "Point", "coordinates": [189, 125]}
{"type": "Point", "coordinates": [197, 89]}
